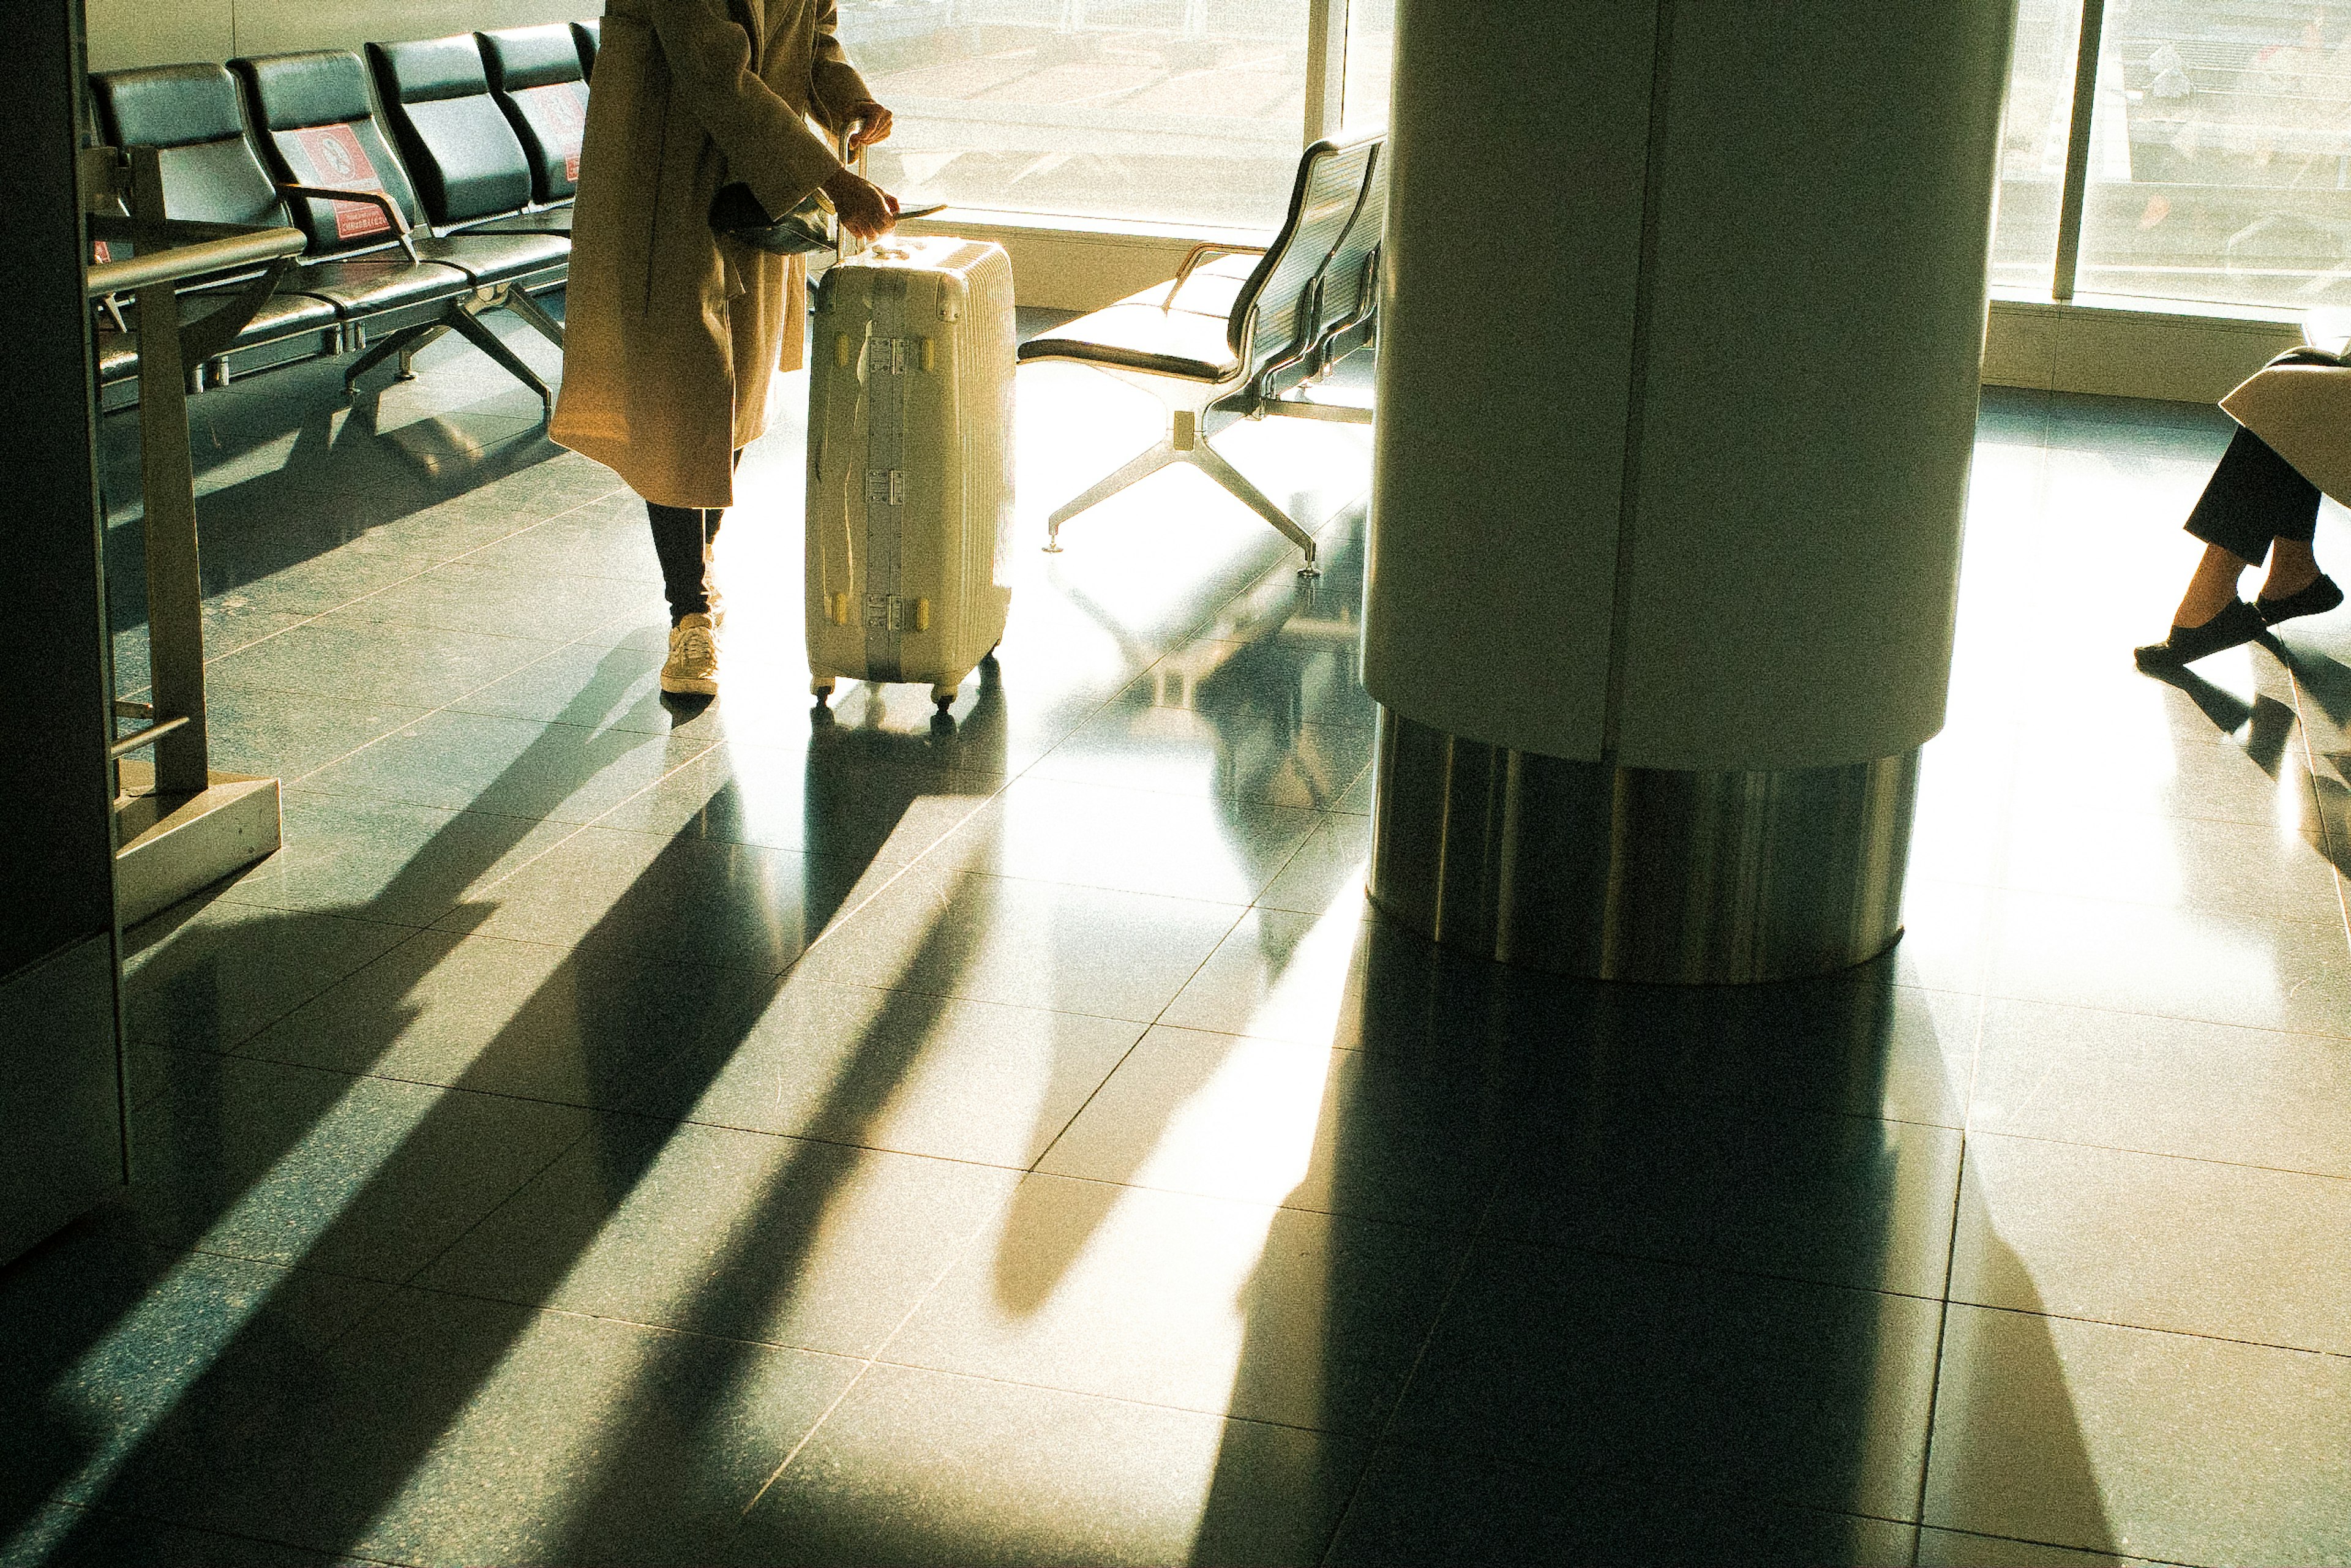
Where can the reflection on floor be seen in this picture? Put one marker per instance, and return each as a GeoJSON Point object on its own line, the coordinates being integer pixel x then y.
{"type": "Point", "coordinates": [615, 1130]}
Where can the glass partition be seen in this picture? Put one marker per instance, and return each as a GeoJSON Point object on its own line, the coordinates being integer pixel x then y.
{"type": "Point", "coordinates": [2033, 143]}
{"type": "Point", "coordinates": [1165, 111]}
{"type": "Point", "coordinates": [1371, 55]}
{"type": "Point", "coordinates": [2220, 166]}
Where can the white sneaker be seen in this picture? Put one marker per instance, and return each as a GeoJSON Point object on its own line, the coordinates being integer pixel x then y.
{"type": "Point", "coordinates": [692, 667]}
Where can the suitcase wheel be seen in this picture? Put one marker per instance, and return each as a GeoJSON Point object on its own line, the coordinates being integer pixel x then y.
{"type": "Point", "coordinates": [944, 695]}
{"type": "Point", "coordinates": [821, 689]}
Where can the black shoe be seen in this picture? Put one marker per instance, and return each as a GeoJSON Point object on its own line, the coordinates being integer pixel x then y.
{"type": "Point", "coordinates": [2237, 625]}
{"type": "Point", "coordinates": [2319, 597]}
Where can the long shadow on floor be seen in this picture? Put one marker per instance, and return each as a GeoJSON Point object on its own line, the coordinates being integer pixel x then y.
{"type": "Point", "coordinates": [298, 1449]}
{"type": "Point", "coordinates": [1698, 1316]}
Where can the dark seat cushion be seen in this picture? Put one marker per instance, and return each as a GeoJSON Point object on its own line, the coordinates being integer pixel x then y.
{"type": "Point", "coordinates": [168, 106]}
{"type": "Point", "coordinates": [363, 285]}
{"type": "Point", "coordinates": [320, 129]}
{"type": "Point", "coordinates": [460, 150]}
{"type": "Point", "coordinates": [554, 221]}
{"type": "Point", "coordinates": [1188, 341]}
{"type": "Point", "coordinates": [190, 114]}
{"type": "Point", "coordinates": [589, 35]}
{"type": "Point", "coordinates": [499, 256]}
{"type": "Point", "coordinates": [535, 76]}
{"type": "Point", "coordinates": [281, 315]}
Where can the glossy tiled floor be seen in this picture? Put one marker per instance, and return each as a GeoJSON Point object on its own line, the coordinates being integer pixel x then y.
{"type": "Point", "coordinates": [617, 1131]}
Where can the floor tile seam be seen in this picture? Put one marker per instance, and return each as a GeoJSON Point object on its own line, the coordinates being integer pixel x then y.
{"type": "Point", "coordinates": [1937, 879]}
{"type": "Point", "coordinates": [206, 1528]}
{"type": "Point", "coordinates": [244, 1053]}
{"type": "Point", "coordinates": [428, 710]}
{"type": "Point", "coordinates": [2264, 913]}
{"type": "Point", "coordinates": [639, 740]}
{"type": "Point", "coordinates": [1943, 1312]}
{"type": "Point", "coordinates": [1362, 726]}
{"type": "Point", "coordinates": [1476, 1236]}
{"type": "Point", "coordinates": [1619, 1475]}
{"type": "Point", "coordinates": [1992, 993]}
{"type": "Point", "coordinates": [486, 889]}
{"type": "Point", "coordinates": [947, 1265]}
{"type": "Point", "coordinates": [2061, 1546]}
{"type": "Point", "coordinates": [1158, 1019]}
{"type": "Point", "coordinates": [1239, 907]}
{"type": "Point", "coordinates": [2249, 1342]}
{"type": "Point", "coordinates": [2330, 1041]}
{"type": "Point", "coordinates": [1345, 1433]}
{"type": "Point", "coordinates": [1692, 1267]}
{"type": "Point", "coordinates": [840, 917]}
{"type": "Point", "coordinates": [791, 1455]}
{"type": "Point", "coordinates": [662, 1119]}
{"type": "Point", "coordinates": [2341, 1175]}
{"type": "Point", "coordinates": [276, 1019]}
{"type": "Point", "coordinates": [493, 812]}
{"type": "Point", "coordinates": [1230, 797]}
{"type": "Point", "coordinates": [2238, 1340]}
{"type": "Point", "coordinates": [1435, 1226]}
{"type": "Point", "coordinates": [234, 894]}
{"type": "Point", "coordinates": [529, 1179]}
{"type": "Point", "coordinates": [361, 599]}
{"type": "Point", "coordinates": [454, 1292]}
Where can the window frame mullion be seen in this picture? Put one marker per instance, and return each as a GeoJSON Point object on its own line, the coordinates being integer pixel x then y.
{"type": "Point", "coordinates": [2075, 199]}
{"type": "Point", "coordinates": [1326, 69]}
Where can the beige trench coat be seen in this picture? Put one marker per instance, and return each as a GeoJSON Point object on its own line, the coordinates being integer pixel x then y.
{"type": "Point", "coordinates": [2302, 407]}
{"type": "Point", "coordinates": [672, 335]}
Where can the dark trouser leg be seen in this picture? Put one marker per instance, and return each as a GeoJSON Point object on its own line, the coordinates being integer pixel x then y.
{"type": "Point", "coordinates": [2254, 497]}
{"type": "Point", "coordinates": [682, 543]}
{"type": "Point", "coordinates": [682, 539]}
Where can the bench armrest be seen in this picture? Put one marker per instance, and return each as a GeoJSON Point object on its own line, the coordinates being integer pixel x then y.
{"type": "Point", "coordinates": [376, 199]}
{"type": "Point", "coordinates": [1192, 260]}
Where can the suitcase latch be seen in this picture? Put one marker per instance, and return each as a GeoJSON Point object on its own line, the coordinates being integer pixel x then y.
{"type": "Point", "coordinates": [886, 486]}
{"type": "Point", "coordinates": [885, 612]}
{"type": "Point", "coordinates": [886, 356]}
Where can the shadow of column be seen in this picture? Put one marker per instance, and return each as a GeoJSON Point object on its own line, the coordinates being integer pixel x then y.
{"type": "Point", "coordinates": [1698, 1314]}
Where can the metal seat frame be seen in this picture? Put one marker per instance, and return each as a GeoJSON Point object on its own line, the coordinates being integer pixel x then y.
{"type": "Point", "coordinates": [1198, 410]}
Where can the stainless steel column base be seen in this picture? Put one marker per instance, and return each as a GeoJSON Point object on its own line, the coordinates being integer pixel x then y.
{"type": "Point", "coordinates": [1636, 873]}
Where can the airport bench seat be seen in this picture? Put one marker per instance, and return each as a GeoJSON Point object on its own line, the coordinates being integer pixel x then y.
{"type": "Point", "coordinates": [1229, 339]}
{"type": "Point", "coordinates": [537, 80]}
{"type": "Point", "coordinates": [354, 197]}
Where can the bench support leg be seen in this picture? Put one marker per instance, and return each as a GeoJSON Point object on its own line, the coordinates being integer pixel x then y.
{"type": "Point", "coordinates": [1211, 462]}
{"type": "Point", "coordinates": [1142, 467]}
{"type": "Point", "coordinates": [1188, 441]}
{"type": "Point", "coordinates": [402, 342]}
{"type": "Point", "coordinates": [469, 326]}
{"type": "Point", "coordinates": [517, 299]}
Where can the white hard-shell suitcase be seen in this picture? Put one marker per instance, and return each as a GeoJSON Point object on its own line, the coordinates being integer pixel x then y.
{"type": "Point", "coordinates": [910, 464]}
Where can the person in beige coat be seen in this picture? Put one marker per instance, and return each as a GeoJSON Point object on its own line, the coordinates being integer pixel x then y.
{"type": "Point", "coordinates": [672, 333]}
{"type": "Point", "coordinates": [2289, 449]}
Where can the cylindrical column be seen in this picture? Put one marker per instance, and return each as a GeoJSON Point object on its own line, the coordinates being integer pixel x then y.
{"type": "Point", "coordinates": [1678, 387]}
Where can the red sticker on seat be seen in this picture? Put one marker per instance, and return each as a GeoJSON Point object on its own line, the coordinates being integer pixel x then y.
{"type": "Point", "coordinates": [332, 156]}
{"type": "Point", "coordinates": [98, 252]}
{"type": "Point", "coordinates": [561, 113]}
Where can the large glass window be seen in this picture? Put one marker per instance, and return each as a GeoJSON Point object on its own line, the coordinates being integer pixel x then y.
{"type": "Point", "coordinates": [1371, 56]}
{"type": "Point", "coordinates": [1169, 110]}
{"type": "Point", "coordinates": [2033, 141]}
{"type": "Point", "coordinates": [2222, 157]}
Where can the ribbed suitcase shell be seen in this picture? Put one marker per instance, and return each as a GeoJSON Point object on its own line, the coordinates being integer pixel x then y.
{"type": "Point", "coordinates": [910, 464]}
